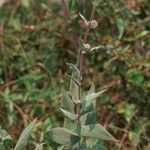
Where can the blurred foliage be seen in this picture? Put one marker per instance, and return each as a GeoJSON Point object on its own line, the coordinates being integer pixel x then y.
{"type": "Point", "coordinates": [37, 38]}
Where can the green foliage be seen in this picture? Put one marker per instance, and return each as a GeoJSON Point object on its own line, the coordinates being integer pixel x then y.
{"type": "Point", "coordinates": [96, 131]}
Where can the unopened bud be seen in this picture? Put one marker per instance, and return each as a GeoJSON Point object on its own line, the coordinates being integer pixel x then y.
{"type": "Point", "coordinates": [94, 24]}
{"type": "Point", "coordinates": [87, 46]}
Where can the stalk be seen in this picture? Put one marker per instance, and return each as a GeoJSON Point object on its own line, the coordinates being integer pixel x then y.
{"type": "Point", "coordinates": [80, 66]}
{"type": "Point", "coordinates": [66, 9]}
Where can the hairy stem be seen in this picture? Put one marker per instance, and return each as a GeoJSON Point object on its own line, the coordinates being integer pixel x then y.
{"type": "Point", "coordinates": [80, 66]}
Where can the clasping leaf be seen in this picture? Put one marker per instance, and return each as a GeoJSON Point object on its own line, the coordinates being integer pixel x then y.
{"type": "Point", "coordinates": [96, 131]}
{"type": "Point", "coordinates": [63, 136]}
{"type": "Point", "coordinates": [69, 115]}
{"type": "Point", "coordinates": [94, 95]}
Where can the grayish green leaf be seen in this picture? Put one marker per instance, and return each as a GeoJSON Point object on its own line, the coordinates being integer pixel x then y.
{"type": "Point", "coordinates": [69, 115]}
{"type": "Point", "coordinates": [66, 102]}
{"type": "Point", "coordinates": [89, 118]}
{"type": "Point", "coordinates": [6, 139]}
{"type": "Point", "coordinates": [94, 95]}
{"type": "Point", "coordinates": [64, 136]}
{"type": "Point", "coordinates": [89, 105]}
{"type": "Point", "coordinates": [75, 70]}
{"type": "Point", "coordinates": [92, 89]}
{"type": "Point", "coordinates": [39, 146]}
{"type": "Point", "coordinates": [74, 91]}
{"type": "Point", "coordinates": [96, 131]}
{"type": "Point", "coordinates": [23, 139]}
{"type": "Point", "coordinates": [73, 84]}
{"type": "Point", "coordinates": [69, 124]}
{"type": "Point", "coordinates": [60, 148]}
{"type": "Point", "coordinates": [25, 3]}
{"type": "Point", "coordinates": [121, 27]}
{"type": "Point", "coordinates": [2, 147]}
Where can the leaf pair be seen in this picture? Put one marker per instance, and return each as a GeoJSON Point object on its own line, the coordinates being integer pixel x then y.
{"type": "Point", "coordinates": [68, 138]}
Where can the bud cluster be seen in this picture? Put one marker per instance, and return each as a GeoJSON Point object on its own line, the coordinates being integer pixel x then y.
{"type": "Point", "coordinates": [92, 24]}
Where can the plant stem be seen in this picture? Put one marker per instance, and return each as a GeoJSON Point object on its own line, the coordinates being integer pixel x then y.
{"type": "Point", "coordinates": [79, 89]}
{"type": "Point", "coordinates": [80, 66]}
{"type": "Point", "coordinates": [66, 9]}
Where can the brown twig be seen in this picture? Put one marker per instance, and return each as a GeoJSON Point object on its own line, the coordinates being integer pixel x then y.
{"type": "Point", "coordinates": [125, 135]}
{"type": "Point", "coordinates": [7, 84]}
{"type": "Point", "coordinates": [2, 49]}
{"type": "Point", "coordinates": [23, 115]}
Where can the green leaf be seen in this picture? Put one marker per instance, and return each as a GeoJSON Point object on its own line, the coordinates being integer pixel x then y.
{"type": "Point", "coordinates": [66, 102]}
{"type": "Point", "coordinates": [8, 142]}
{"type": "Point", "coordinates": [73, 84]}
{"type": "Point", "coordinates": [88, 111]}
{"type": "Point", "coordinates": [75, 70]}
{"type": "Point", "coordinates": [94, 144]}
{"type": "Point", "coordinates": [74, 91]}
{"type": "Point", "coordinates": [2, 147]}
{"type": "Point", "coordinates": [94, 95]}
{"type": "Point", "coordinates": [23, 139]}
{"type": "Point", "coordinates": [69, 115]}
{"type": "Point", "coordinates": [96, 131]}
{"type": "Point", "coordinates": [3, 133]}
{"type": "Point", "coordinates": [25, 3]}
{"type": "Point", "coordinates": [63, 136]}
{"type": "Point", "coordinates": [16, 24]}
{"type": "Point", "coordinates": [121, 27]}
{"type": "Point", "coordinates": [135, 76]}
{"type": "Point", "coordinates": [89, 105]}
{"type": "Point", "coordinates": [142, 34]}
{"type": "Point", "coordinates": [6, 139]}
{"type": "Point", "coordinates": [39, 146]}
{"type": "Point", "coordinates": [69, 124]}
{"type": "Point", "coordinates": [87, 108]}
{"type": "Point", "coordinates": [138, 36]}
{"type": "Point", "coordinates": [74, 79]}
{"type": "Point", "coordinates": [92, 89]}
{"type": "Point", "coordinates": [129, 111]}
{"type": "Point", "coordinates": [89, 118]}
{"type": "Point", "coordinates": [60, 148]}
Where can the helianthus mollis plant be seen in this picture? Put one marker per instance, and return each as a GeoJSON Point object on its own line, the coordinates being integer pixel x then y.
{"type": "Point", "coordinates": [80, 130]}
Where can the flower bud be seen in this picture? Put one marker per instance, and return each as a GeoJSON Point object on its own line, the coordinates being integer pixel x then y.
{"type": "Point", "coordinates": [94, 24]}
{"type": "Point", "coordinates": [87, 46]}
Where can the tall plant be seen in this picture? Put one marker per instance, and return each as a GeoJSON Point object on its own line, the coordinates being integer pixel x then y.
{"type": "Point", "coordinates": [80, 130]}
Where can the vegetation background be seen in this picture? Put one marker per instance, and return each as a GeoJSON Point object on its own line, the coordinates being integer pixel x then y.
{"type": "Point", "coordinates": [38, 38]}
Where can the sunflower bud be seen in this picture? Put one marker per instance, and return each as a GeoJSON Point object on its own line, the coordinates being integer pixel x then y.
{"type": "Point", "coordinates": [94, 24]}
{"type": "Point", "coordinates": [87, 47]}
